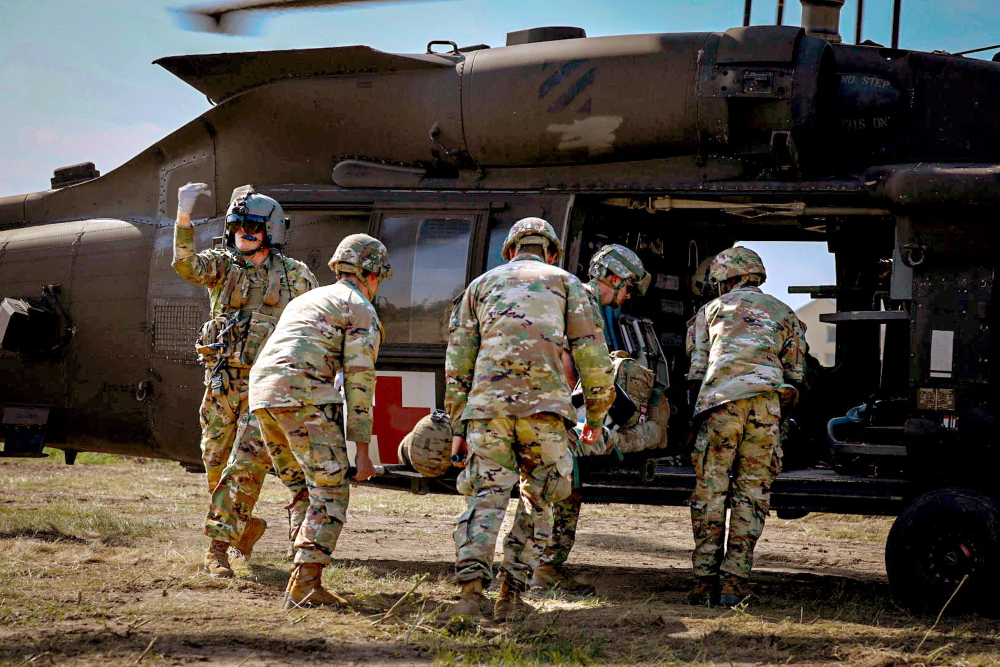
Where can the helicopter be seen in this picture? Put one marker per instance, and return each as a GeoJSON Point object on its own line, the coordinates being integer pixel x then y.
{"type": "Point", "coordinates": [676, 145]}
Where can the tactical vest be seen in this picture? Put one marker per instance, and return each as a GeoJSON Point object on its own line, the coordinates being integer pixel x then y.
{"type": "Point", "coordinates": [248, 310]}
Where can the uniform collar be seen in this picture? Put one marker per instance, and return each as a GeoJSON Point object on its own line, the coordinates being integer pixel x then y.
{"type": "Point", "coordinates": [355, 288]}
{"type": "Point", "coordinates": [527, 256]}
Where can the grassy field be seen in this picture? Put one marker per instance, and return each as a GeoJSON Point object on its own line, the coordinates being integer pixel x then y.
{"type": "Point", "coordinates": [99, 565]}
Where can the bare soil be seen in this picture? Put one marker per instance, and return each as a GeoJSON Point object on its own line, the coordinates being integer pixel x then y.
{"type": "Point", "coordinates": [99, 565]}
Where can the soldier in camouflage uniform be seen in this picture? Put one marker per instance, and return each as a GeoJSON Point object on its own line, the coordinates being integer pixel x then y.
{"type": "Point", "coordinates": [249, 283]}
{"type": "Point", "coordinates": [747, 356]}
{"type": "Point", "coordinates": [295, 394]}
{"type": "Point", "coordinates": [615, 273]}
{"type": "Point", "coordinates": [510, 403]}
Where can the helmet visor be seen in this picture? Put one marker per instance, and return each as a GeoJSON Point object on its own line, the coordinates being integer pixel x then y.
{"type": "Point", "coordinates": [249, 222]}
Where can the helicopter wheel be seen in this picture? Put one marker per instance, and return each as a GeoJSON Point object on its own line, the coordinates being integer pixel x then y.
{"type": "Point", "coordinates": [939, 540]}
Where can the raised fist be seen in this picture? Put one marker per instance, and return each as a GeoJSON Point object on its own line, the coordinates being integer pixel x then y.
{"type": "Point", "coordinates": [187, 194]}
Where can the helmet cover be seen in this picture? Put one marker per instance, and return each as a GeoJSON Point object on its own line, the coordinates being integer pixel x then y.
{"type": "Point", "coordinates": [622, 262]}
{"type": "Point", "coordinates": [523, 230]}
{"type": "Point", "coordinates": [360, 252]}
{"type": "Point", "coordinates": [736, 262]}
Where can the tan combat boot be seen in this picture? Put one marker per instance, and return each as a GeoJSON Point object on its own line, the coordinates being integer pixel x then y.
{"type": "Point", "coordinates": [468, 602]}
{"type": "Point", "coordinates": [305, 588]}
{"type": "Point", "coordinates": [550, 577]}
{"type": "Point", "coordinates": [509, 605]}
{"type": "Point", "coordinates": [251, 534]}
{"type": "Point", "coordinates": [217, 560]}
{"type": "Point", "coordinates": [705, 592]}
{"type": "Point", "coordinates": [731, 590]}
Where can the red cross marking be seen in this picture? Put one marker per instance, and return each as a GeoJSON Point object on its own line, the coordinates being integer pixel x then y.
{"type": "Point", "coordinates": [391, 420]}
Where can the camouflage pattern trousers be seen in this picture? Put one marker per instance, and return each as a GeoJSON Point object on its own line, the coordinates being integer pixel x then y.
{"type": "Point", "coordinates": [220, 420]}
{"type": "Point", "coordinates": [239, 488]}
{"type": "Point", "coordinates": [566, 512]}
{"type": "Point", "coordinates": [315, 436]}
{"type": "Point", "coordinates": [565, 517]}
{"type": "Point", "coordinates": [739, 437]}
{"type": "Point", "coordinates": [530, 451]}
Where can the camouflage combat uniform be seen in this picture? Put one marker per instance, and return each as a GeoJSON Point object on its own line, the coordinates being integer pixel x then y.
{"type": "Point", "coordinates": [250, 299]}
{"type": "Point", "coordinates": [507, 396]}
{"type": "Point", "coordinates": [294, 394]}
{"type": "Point", "coordinates": [746, 350]}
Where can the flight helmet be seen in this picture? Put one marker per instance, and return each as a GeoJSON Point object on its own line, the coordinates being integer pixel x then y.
{"type": "Point", "coordinates": [253, 211]}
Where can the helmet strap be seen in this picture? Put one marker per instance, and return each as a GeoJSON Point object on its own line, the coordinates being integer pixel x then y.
{"type": "Point", "coordinates": [539, 241]}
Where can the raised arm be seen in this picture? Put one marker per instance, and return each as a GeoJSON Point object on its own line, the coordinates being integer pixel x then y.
{"type": "Point", "coordinates": [189, 265]}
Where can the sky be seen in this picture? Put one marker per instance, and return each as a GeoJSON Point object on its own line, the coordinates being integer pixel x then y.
{"type": "Point", "coordinates": [78, 84]}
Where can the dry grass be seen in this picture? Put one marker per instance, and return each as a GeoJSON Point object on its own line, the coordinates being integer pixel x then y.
{"type": "Point", "coordinates": [99, 560]}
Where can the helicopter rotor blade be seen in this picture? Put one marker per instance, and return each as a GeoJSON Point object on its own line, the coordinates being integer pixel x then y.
{"type": "Point", "coordinates": [233, 17]}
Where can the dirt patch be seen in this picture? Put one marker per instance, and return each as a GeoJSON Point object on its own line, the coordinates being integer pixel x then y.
{"type": "Point", "coordinates": [118, 580]}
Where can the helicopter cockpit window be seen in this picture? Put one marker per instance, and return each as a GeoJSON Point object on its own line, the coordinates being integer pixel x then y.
{"type": "Point", "coordinates": [429, 257]}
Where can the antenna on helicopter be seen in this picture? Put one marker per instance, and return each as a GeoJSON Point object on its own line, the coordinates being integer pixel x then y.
{"type": "Point", "coordinates": [896, 8]}
{"type": "Point", "coordinates": [857, 22]}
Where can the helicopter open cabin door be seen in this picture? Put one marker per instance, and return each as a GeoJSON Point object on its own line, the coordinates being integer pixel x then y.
{"type": "Point", "coordinates": [436, 248]}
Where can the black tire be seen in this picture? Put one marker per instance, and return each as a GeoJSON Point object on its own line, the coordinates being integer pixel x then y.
{"type": "Point", "coordinates": [941, 537]}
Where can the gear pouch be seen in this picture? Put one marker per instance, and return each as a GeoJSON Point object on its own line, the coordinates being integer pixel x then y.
{"type": "Point", "coordinates": [206, 344]}
{"type": "Point", "coordinates": [464, 482]}
{"type": "Point", "coordinates": [259, 330]}
{"type": "Point", "coordinates": [558, 484]}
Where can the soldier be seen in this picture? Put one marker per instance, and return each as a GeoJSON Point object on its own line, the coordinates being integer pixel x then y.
{"type": "Point", "coordinates": [296, 396]}
{"type": "Point", "coordinates": [510, 403]}
{"type": "Point", "coordinates": [249, 283]}
{"type": "Point", "coordinates": [747, 355]}
{"type": "Point", "coordinates": [615, 273]}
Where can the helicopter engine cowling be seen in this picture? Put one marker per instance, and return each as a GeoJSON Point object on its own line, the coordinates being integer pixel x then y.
{"type": "Point", "coordinates": [706, 93]}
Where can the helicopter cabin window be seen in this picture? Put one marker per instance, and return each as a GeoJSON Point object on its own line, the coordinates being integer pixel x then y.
{"type": "Point", "coordinates": [498, 234]}
{"type": "Point", "coordinates": [429, 258]}
{"type": "Point", "coordinates": [314, 235]}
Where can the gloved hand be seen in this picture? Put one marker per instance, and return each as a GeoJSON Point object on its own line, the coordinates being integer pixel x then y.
{"type": "Point", "coordinates": [187, 194]}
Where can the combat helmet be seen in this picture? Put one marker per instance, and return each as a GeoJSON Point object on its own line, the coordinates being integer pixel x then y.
{"type": "Point", "coordinates": [251, 210]}
{"type": "Point", "coordinates": [736, 262]}
{"type": "Point", "coordinates": [622, 262]}
{"type": "Point", "coordinates": [701, 280]}
{"type": "Point", "coordinates": [531, 231]}
{"type": "Point", "coordinates": [360, 252]}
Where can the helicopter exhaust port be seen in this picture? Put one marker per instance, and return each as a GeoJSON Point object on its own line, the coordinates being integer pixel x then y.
{"type": "Point", "coordinates": [821, 18]}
